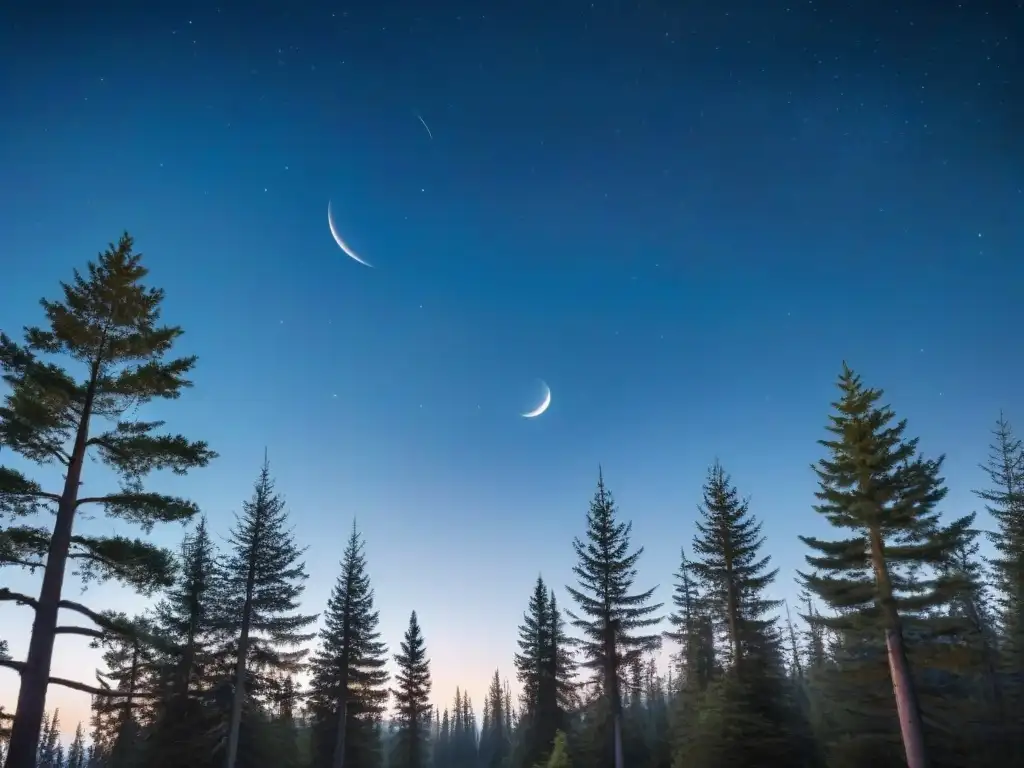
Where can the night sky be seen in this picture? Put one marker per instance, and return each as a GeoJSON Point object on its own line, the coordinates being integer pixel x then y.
{"type": "Point", "coordinates": [682, 216]}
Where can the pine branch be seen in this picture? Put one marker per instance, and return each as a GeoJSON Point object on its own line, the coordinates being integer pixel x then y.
{"type": "Point", "coordinates": [19, 666]}
{"type": "Point", "coordinates": [144, 509]}
{"type": "Point", "coordinates": [134, 561]}
{"type": "Point", "coordinates": [19, 496]}
{"type": "Point", "coordinates": [134, 453]}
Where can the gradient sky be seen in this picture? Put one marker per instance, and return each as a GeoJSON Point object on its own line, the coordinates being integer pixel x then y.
{"type": "Point", "coordinates": [683, 217]}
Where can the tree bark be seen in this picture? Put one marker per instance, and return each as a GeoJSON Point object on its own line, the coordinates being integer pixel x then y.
{"type": "Point", "coordinates": [28, 717]}
{"type": "Point", "coordinates": [339, 740]}
{"type": "Point", "coordinates": [240, 666]}
{"type": "Point", "coordinates": [908, 707]}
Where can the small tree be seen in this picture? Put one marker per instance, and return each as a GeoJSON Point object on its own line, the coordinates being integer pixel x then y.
{"type": "Point", "coordinates": [108, 323]}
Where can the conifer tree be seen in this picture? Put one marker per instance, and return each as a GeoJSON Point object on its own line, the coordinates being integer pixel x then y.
{"type": "Point", "coordinates": [611, 619]}
{"type": "Point", "coordinates": [732, 571]}
{"type": "Point", "coordinates": [732, 575]}
{"type": "Point", "coordinates": [260, 581]}
{"type": "Point", "coordinates": [49, 754]}
{"type": "Point", "coordinates": [560, 753]}
{"type": "Point", "coordinates": [412, 701]}
{"type": "Point", "coordinates": [494, 738]}
{"type": "Point", "coordinates": [76, 752]}
{"type": "Point", "coordinates": [108, 322]}
{"type": "Point", "coordinates": [1004, 500]}
{"type": "Point", "coordinates": [874, 485]}
{"type": "Point", "coordinates": [348, 686]}
{"type": "Point", "coordinates": [691, 631]}
{"type": "Point", "coordinates": [184, 727]}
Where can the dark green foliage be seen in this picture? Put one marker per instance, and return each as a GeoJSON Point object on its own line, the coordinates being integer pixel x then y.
{"type": "Point", "coordinates": [611, 618]}
{"type": "Point", "coordinates": [108, 324]}
{"type": "Point", "coordinates": [184, 730]}
{"type": "Point", "coordinates": [259, 583]}
{"type": "Point", "coordinates": [349, 666]}
{"type": "Point", "coordinates": [545, 668]}
{"type": "Point", "coordinates": [1004, 500]}
{"type": "Point", "coordinates": [885, 582]}
{"type": "Point", "coordinates": [412, 716]}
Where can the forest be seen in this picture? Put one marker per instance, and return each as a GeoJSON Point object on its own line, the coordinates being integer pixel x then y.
{"type": "Point", "coordinates": [907, 647]}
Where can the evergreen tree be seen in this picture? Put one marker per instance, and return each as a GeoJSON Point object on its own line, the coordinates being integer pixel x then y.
{"type": "Point", "coordinates": [732, 575]}
{"type": "Point", "coordinates": [692, 631]}
{"type": "Point", "coordinates": [184, 731]}
{"type": "Point", "coordinates": [1004, 500]}
{"type": "Point", "coordinates": [538, 673]}
{"type": "Point", "coordinates": [76, 752]}
{"type": "Point", "coordinates": [494, 738]}
{"type": "Point", "coordinates": [412, 703]}
{"type": "Point", "coordinates": [347, 689]}
{"type": "Point", "coordinates": [260, 582]}
{"type": "Point", "coordinates": [49, 755]}
{"type": "Point", "coordinates": [107, 322]}
{"type": "Point", "coordinates": [611, 619]}
{"type": "Point", "coordinates": [876, 486]}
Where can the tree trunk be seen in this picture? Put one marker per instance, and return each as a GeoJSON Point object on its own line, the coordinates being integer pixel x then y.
{"type": "Point", "coordinates": [28, 717]}
{"type": "Point", "coordinates": [339, 740]}
{"type": "Point", "coordinates": [907, 706]}
{"type": "Point", "coordinates": [235, 726]}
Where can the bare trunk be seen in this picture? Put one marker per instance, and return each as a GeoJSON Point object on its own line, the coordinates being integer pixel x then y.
{"type": "Point", "coordinates": [339, 740]}
{"type": "Point", "coordinates": [907, 706]}
{"type": "Point", "coordinates": [235, 726]}
{"type": "Point", "coordinates": [28, 717]}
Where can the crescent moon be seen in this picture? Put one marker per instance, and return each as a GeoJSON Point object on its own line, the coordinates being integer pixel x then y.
{"type": "Point", "coordinates": [341, 243]}
{"type": "Point", "coordinates": [543, 404]}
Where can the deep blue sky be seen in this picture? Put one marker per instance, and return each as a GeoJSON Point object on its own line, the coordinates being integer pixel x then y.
{"type": "Point", "coordinates": [683, 217]}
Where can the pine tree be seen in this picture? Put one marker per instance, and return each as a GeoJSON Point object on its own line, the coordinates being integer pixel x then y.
{"type": "Point", "coordinates": [732, 575]}
{"type": "Point", "coordinates": [76, 752]}
{"type": "Point", "coordinates": [1004, 500]}
{"type": "Point", "coordinates": [692, 631]}
{"type": "Point", "coordinates": [107, 322]}
{"type": "Point", "coordinates": [48, 754]}
{"type": "Point", "coordinates": [611, 619]}
{"type": "Point", "coordinates": [260, 583]}
{"type": "Point", "coordinates": [184, 728]}
{"type": "Point", "coordinates": [412, 701]}
{"type": "Point", "coordinates": [494, 738]}
{"type": "Point", "coordinates": [874, 484]}
{"type": "Point", "coordinates": [132, 682]}
{"type": "Point", "coordinates": [348, 686]}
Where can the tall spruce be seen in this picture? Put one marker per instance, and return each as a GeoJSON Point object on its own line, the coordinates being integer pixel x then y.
{"type": "Point", "coordinates": [412, 711]}
{"type": "Point", "coordinates": [732, 571]}
{"type": "Point", "coordinates": [611, 618]}
{"type": "Point", "coordinates": [108, 323]}
{"type": "Point", "coordinates": [732, 574]}
{"type": "Point", "coordinates": [184, 729]}
{"type": "Point", "coordinates": [348, 687]}
{"type": "Point", "coordinates": [260, 582]}
{"type": "Point", "coordinates": [1004, 500]}
{"type": "Point", "coordinates": [495, 740]}
{"type": "Point", "coordinates": [875, 485]}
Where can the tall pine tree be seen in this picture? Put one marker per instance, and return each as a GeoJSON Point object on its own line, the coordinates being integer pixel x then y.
{"type": "Point", "coordinates": [874, 485]}
{"type": "Point", "coordinates": [611, 618]}
{"type": "Point", "coordinates": [348, 686]}
{"type": "Point", "coordinates": [412, 716]}
{"type": "Point", "coordinates": [260, 581]}
{"type": "Point", "coordinates": [108, 323]}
